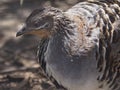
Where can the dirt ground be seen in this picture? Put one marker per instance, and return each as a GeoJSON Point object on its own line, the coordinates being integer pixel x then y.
{"type": "Point", "coordinates": [19, 69]}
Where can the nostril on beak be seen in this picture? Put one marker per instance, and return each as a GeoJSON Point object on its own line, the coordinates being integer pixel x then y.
{"type": "Point", "coordinates": [21, 31]}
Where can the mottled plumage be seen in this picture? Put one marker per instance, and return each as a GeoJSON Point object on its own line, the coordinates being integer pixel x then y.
{"type": "Point", "coordinates": [80, 48]}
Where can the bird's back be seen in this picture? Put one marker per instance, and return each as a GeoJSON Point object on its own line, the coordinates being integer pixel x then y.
{"type": "Point", "coordinates": [104, 16]}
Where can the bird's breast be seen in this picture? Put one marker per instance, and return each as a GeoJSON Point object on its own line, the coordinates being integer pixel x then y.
{"type": "Point", "coordinates": [72, 72]}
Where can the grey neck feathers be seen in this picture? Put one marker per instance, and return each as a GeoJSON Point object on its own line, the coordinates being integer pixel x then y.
{"type": "Point", "coordinates": [70, 36]}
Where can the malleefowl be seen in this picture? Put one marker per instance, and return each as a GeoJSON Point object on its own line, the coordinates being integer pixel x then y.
{"type": "Point", "coordinates": [80, 48]}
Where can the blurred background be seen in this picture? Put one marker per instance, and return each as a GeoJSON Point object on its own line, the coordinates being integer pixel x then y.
{"type": "Point", "coordinates": [19, 68]}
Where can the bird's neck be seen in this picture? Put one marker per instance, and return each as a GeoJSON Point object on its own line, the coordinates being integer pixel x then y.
{"type": "Point", "coordinates": [71, 34]}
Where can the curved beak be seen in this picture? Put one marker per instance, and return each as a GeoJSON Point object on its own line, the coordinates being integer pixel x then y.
{"type": "Point", "coordinates": [22, 31]}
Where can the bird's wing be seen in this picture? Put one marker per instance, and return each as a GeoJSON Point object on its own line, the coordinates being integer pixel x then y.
{"type": "Point", "coordinates": [109, 63]}
{"type": "Point", "coordinates": [41, 50]}
{"type": "Point", "coordinates": [115, 53]}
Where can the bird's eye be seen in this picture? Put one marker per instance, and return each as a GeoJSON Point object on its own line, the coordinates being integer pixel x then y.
{"type": "Point", "coordinates": [37, 24]}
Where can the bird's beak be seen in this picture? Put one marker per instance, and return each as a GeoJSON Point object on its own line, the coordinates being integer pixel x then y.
{"type": "Point", "coordinates": [21, 31]}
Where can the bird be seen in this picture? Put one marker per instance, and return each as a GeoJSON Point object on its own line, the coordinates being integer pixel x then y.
{"type": "Point", "coordinates": [80, 47]}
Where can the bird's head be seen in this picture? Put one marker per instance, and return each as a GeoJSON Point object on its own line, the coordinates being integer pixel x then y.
{"type": "Point", "coordinates": [40, 22]}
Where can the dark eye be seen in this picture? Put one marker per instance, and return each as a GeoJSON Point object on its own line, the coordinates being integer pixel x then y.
{"type": "Point", "coordinates": [37, 24]}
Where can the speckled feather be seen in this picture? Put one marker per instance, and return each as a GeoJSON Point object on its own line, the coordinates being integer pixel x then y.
{"type": "Point", "coordinates": [84, 54]}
